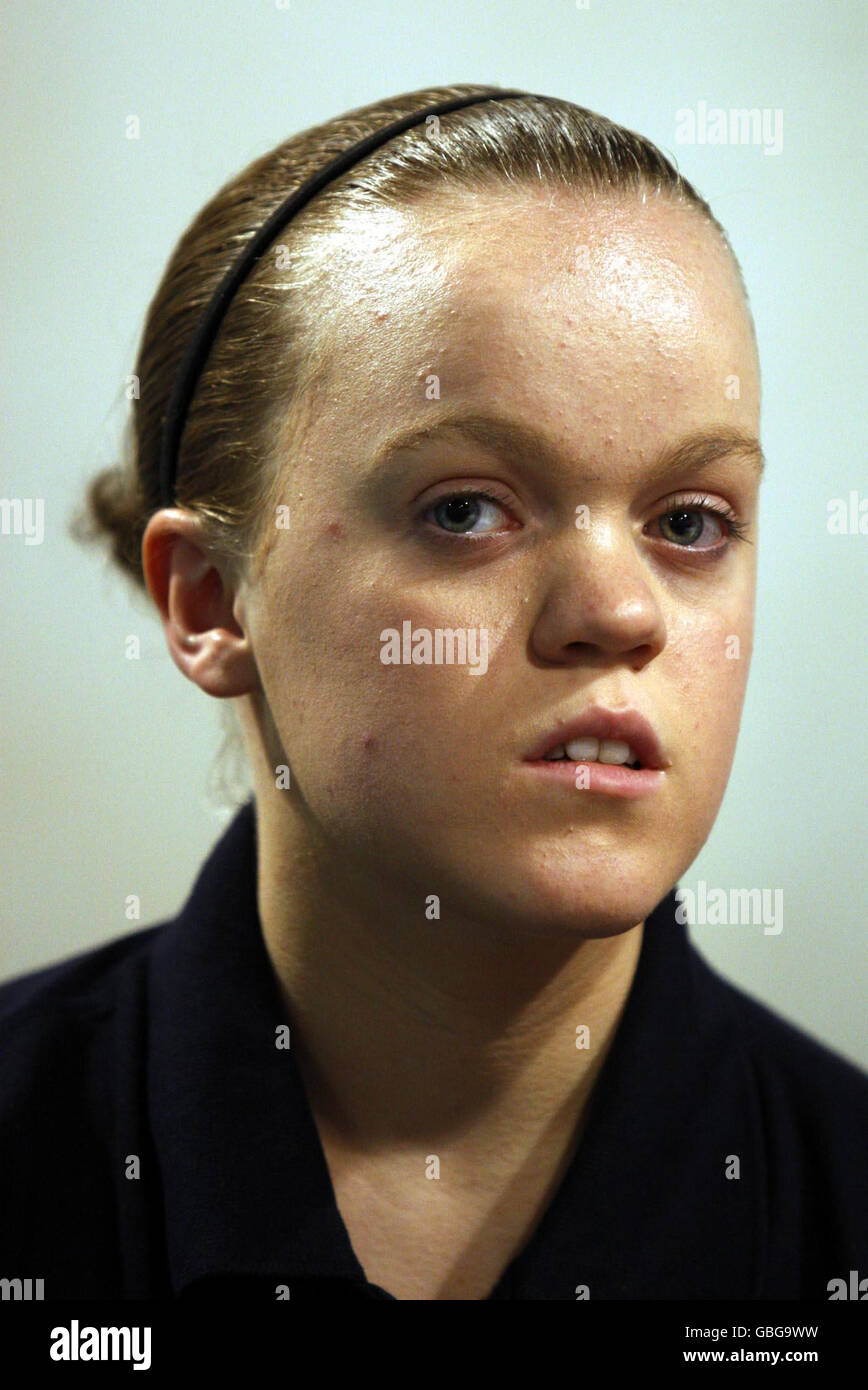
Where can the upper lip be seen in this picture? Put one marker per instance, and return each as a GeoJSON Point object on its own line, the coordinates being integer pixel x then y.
{"type": "Point", "coordinates": [627, 725]}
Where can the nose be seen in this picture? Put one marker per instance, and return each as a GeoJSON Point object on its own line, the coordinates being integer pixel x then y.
{"type": "Point", "coordinates": [599, 600]}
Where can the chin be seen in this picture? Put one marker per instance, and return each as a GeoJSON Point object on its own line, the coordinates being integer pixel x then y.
{"type": "Point", "coordinates": [582, 904]}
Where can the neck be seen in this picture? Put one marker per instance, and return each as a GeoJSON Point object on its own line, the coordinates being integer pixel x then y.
{"type": "Point", "coordinates": [413, 1031]}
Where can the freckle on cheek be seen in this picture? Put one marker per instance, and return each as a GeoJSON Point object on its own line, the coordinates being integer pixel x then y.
{"type": "Point", "coordinates": [334, 529]}
{"type": "Point", "coordinates": [370, 743]}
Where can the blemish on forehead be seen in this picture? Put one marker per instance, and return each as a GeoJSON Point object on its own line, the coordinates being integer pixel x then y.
{"type": "Point", "coordinates": [369, 743]}
{"type": "Point", "coordinates": [334, 529]}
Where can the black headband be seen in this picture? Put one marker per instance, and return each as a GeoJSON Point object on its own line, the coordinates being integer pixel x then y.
{"type": "Point", "coordinates": [209, 325]}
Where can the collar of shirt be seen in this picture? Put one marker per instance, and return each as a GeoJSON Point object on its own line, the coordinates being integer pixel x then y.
{"type": "Point", "coordinates": [646, 1209]}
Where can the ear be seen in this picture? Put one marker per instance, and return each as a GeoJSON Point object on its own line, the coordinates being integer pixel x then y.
{"type": "Point", "coordinates": [197, 606]}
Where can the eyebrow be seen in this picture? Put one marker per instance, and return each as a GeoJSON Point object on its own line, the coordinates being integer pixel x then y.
{"type": "Point", "coordinates": [516, 439]}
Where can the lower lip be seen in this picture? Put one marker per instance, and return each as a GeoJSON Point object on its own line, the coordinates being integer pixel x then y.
{"type": "Point", "coordinates": [612, 779]}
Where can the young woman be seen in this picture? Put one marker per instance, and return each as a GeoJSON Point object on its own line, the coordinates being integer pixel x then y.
{"type": "Point", "coordinates": [451, 488]}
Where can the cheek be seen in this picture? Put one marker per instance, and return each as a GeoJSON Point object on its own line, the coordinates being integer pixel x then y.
{"type": "Point", "coordinates": [398, 732]}
{"type": "Point", "coordinates": [709, 662]}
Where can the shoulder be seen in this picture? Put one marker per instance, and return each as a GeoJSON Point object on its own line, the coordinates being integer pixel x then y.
{"type": "Point", "coordinates": [809, 1106]}
{"type": "Point", "coordinates": [50, 1018]}
{"type": "Point", "coordinates": [83, 980]}
{"type": "Point", "coordinates": [791, 1063]}
{"type": "Point", "coordinates": [72, 1039]}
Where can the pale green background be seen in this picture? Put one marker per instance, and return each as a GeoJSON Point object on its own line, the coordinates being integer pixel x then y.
{"type": "Point", "coordinates": [104, 761]}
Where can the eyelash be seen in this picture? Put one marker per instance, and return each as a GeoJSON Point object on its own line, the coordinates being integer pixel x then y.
{"type": "Point", "coordinates": [736, 529]}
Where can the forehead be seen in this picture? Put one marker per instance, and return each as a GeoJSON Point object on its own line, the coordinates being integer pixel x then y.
{"type": "Point", "coordinates": [612, 312]}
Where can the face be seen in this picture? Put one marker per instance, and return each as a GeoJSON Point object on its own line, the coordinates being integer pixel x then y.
{"type": "Point", "coordinates": [587, 557]}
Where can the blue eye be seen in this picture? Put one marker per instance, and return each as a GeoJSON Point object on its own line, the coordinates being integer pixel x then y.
{"type": "Point", "coordinates": [682, 523]}
{"type": "Point", "coordinates": [460, 512]}
{"type": "Point", "coordinates": [686, 523]}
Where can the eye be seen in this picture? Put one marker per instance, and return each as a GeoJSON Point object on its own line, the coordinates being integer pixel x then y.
{"type": "Point", "coordinates": [684, 522]}
{"type": "Point", "coordinates": [460, 513]}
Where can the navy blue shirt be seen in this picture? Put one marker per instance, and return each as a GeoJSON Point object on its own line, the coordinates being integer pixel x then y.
{"type": "Point", "coordinates": [160, 1047]}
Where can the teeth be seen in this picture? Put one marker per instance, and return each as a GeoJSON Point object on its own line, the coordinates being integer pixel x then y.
{"type": "Point", "coordinates": [594, 750]}
{"type": "Point", "coordinates": [585, 750]}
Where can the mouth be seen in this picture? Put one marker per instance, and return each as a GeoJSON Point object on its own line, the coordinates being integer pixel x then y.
{"type": "Point", "coordinates": [594, 750]}
{"type": "Point", "coordinates": [616, 738]}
